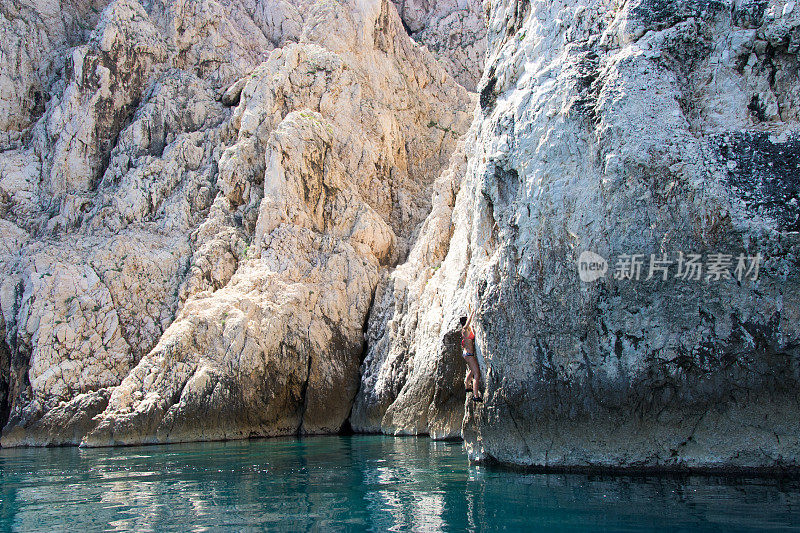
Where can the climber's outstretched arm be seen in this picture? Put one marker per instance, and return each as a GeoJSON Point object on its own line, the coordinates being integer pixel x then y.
{"type": "Point", "coordinates": [469, 319]}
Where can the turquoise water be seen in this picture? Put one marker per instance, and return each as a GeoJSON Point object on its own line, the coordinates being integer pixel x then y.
{"type": "Point", "coordinates": [356, 483]}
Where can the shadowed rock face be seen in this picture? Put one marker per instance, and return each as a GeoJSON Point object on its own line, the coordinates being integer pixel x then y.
{"type": "Point", "coordinates": [454, 30]}
{"type": "Point", "coordinates": [196, 220]}
{"type": "Point", "coordinates": [660, 14]}
{"type": "Point", "coordinates": [765, 172]}
{"type": "Point", "coordinates": [663, 127]}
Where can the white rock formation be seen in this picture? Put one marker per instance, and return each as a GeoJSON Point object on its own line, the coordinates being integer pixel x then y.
{"type": "Point", "coordinates": [647, 127]}
{"type": "Point", "coordinates": [412, 376]}
{"type": "Point", "coordinates": [37, 35]}
{"type": "Point", "coordinates": [177, 270]}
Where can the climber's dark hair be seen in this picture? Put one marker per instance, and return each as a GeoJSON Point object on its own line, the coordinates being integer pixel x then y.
{"type": "Point", "coordinates": [463, 320]}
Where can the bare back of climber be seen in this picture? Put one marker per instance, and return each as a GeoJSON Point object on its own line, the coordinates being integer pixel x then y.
{"type": "Point", "coordinates": [473, 380]}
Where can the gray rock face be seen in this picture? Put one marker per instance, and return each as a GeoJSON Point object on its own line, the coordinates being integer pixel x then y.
{"type": "Point", "coordinates": [412, 376]}
{"type": "Point", "coordinates": [37, 37]}
{"type": "Point", "coordinates": [651, 128]}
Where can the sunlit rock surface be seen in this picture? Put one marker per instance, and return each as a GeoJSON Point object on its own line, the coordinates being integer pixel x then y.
{"type": "Point", "coordinates": [195, 222]}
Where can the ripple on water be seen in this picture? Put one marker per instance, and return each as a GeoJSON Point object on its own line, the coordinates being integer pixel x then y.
{"type": "Point", "coordinates": [357, 483]}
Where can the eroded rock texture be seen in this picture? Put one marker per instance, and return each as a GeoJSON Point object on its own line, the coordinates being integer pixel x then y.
{"type": "Point", "coordinates": [643, 127]}
{"type": "Point", "coordinates": [197, 213]}
{"type": "Point", "coordinates": [454, 30]}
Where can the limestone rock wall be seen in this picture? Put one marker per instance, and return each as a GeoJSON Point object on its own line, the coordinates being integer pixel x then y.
{"type": "Point", "coordinates": [196, 218]}
{"type": "Point", "coordinates": [412, 375]}
{"type": "Point", "coordinates": [643, 127]}
{"type": "Point", "coordinates": [37, 36]}
{"type": "Point", "coordinates": [234, 219]}
{"type": "Point", "coordinates": [454, 30]}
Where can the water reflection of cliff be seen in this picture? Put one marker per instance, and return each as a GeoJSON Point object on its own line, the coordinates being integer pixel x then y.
{"type": "Point", "coordinates": [376, 483]}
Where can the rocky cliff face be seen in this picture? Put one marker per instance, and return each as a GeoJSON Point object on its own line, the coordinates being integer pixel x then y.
{"type": "Point", "coordinates": [642, 127]}
{"type": "Point", "coordinates": [195, 222]}
{"type": "Point", "coordinates": [241, 219]}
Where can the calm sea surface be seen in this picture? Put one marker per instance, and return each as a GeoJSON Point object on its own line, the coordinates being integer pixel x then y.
{"type": "Point", "coordinates": [359, 483]}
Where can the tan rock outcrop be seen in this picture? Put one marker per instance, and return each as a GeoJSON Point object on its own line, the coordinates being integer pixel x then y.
{"type": "Point", "coordinates": [181, 270]}
{"type": "Point", "coordinates": [412, 376]}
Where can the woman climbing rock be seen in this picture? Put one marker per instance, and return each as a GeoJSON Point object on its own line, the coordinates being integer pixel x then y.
{"type": "Point", "coordinates": [473, 380]}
